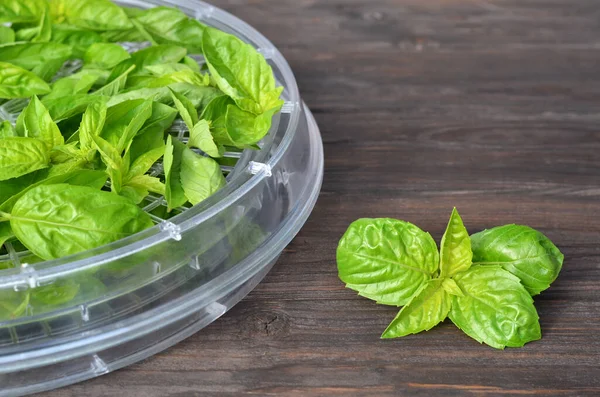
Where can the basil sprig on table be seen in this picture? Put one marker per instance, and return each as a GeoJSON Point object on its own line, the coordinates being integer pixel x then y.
{"type": "Point", "coordinates": [484, 283]}
{"type": "Point", "coordinates": [81, 158]}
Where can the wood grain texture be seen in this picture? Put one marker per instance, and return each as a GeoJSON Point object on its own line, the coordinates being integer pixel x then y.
{"type": "Point", "coordinates": [490, 106]}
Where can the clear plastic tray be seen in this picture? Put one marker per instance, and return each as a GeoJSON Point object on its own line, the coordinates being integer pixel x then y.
{"type": "Point", "coordinates": [166, 283]}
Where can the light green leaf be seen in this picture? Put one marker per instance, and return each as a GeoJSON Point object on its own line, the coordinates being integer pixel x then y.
{"type": "Point", "coordinates": [104, 56]}
{"type": "Point", "coordinates": [172, 163]}
{"type": "Point", "coordinates": [21, 10]}
{"type": "Point", "coordinates": [90, 14]}
{"type": "Point", "coordinates": [455, 248]}
{"type": "Point", "coordinates": [135, 194]}
{"type": "Point", "coordinates": [91, 126]}
{"type": "Point", "coordinates": [79, 39]}
{"type": "Point", "coordinates": [199, 96]}
{"type": "Point", "coordinates": [496, 309]}
{"type": "Point", "coordinates": [191, 63]}
{"type": "Point", "coordinates": [20, 156]}
{"type": "Point", "coordinates": [58, 293]}
{"type": "Point", "coordinates": [148, 182]}
{"type": "Point", "coordinates": [386, 260]}
{"type": "Point", "coordinates": [38, 124]}
{"type": "Point", "coordinates": [143, 163]}
{"type": "Point", "coordinates": [155, 55]}
{"type": "Point", "coordinates": [44, 30]}
{"type": "Point", "coordinates": [78, 83]}
{"type": "Point", "coordinates": [116, 85]}
{"type": "Point", "coordinates": [114, 163]}
{"type": "Point", "coordinates": [186, 109]}
{"type": "Point", "coordinates": [16, 82]}
{"type": "Point", "coordinates": [201, 138]}
{"type": "Point", "coordinates": [241, 72]}
{"type": "Point", "coordinates": [7, 35]}
{"type": "Point", "coordinates": [91, 178]}
{"type": "Point", "coordinates": [64, 153]}
{"type": "Point", "coordinates": [143, 113]}
{"type": "Point", "coordinates": [182, 76]}
{"type": "Point", "coordinates": [6, 233]}
{"type": "Point", "coordinates": [245, 129]}
{"type": "Point", "coordinates": [521, 250]}
{"type": "Point", "coordinates": [59, 220]}
{"type": "Point", "coordinates": [33, 55]}
{"type": "Point", "coordinates": [168, 25]}
{"type": "Point", "coordinates": [201, 176]}
{"type": "Point", "coordinates": [168, 68]}
{"type": "Point", "coordinates": [151, 135]}
{"type": "Point", "coordinates": [450, 286]}
{"type": "Point", "coordinates": [427, 308]}
{"type": "Point", "coordinates": [7, 130]}
{"type": "Point", "coordinates": [13, 304]}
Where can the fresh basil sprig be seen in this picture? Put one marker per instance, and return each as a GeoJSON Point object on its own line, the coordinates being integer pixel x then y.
{"type": "Point", "coordinates": [484, 283]}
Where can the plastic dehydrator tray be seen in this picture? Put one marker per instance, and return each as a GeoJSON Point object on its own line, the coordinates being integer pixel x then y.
{"type": "Point", "coordinates": [166, 283]}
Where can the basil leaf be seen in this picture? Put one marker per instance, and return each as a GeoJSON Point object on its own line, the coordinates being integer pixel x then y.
{"type": "Point", "coordinates": [496, 309]}
{"type": "Point", "coordinates": [104, 56]}
{"type": "Point", "coordinates": [66, 107]}
{"type": "Point", "coordinates": [113, 161]}
{"type": "Point", "coordinates": [154, 55]}
{"type": "Point", "coordinates": [53, 221]}
{"type": "Point", "coordinates": [143, 113]}
{"type": "Point", "coordinates": [11, 187]}
{"type": "Point", "coordinates": [186, 109]}
{"type": "Point", "coordinates": [151, 135]}
{"type": "Point", "coordinates": [199, 96]}
{"type": "Point", "coordinates": [139, 186]}
{"type": "Point", "coordinates": [427, 308]}
{"type": "Point", "coordinates": [191, 63]}
{"type": "Point", "coordinates": [78, 39]}
{"type": "Point", "coordinates": [201, 138]}
{"type": "Point", "coordinates": [92, 124]}
{"type": "Point", "coordinates": [124, 121]}
{"type": "Point", "coordinates": [78, 83]}
{"type": "Point", "coordinates": [182, 76]}
{"type": "Point", "coordinates": [386, 260]}
{"type": "Point", "coordinates": [7, 35]}
{"type": "Point", "coordinates": [91, 178]}
{"type": "Point", "coordinates": [244, 129]}
{"type": "Point", "coordinates": [21, 10]}
{"type": "Point", "coordinates": [450, 286]}
{"type": "Point", "coordinates": [168, 68]}
{"type": "Point", "coordinates": [521, 250]}
{"type": "Point", "coordinates": [62, 291]}
{"type": "Point", "coordinates": [90, 14]}
{"type": "Point", "coordinates": [455, 248]}
{"type": "Point", "coordinates": [7, 130]}
{"type": "Point", "coordinates": [169, 25]}
{"type": "Point", "coordinates": [13, 304]}
{"type": "Point", "coordinates": [134, 194]}
{"type": "Point", "coordinates": [116, 85]}
{"type": "Point", "coordinates": [44, 30]}
{"type": "Point", "coordinates": [37, 123]}
{"type": "Point", "coordinates": [172, 160]}
{"type": "Point", "coordinates": [201, 176]}
{"type": "Point", "coordinates": [16, 82]}
{"type": "Point", "coordinates": [20, 156]}
{"type": "Point", "coordinates": [143, 163]}
{"type": "Point", "coordinates": [241, 72]}
{"type": "Point", "coordinates": [6, 234]}
{"type": "Point", "coordinates": [34, 55]}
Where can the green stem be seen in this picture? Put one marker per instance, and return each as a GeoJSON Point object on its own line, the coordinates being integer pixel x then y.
{"type": "Point", "coordinates": [4, 216]}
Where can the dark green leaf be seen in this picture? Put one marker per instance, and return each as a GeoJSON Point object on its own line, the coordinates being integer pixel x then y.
{"type": "Point", "coordinates": [455, 248]}
{"type": "Point", "coordinates": [427, 308]}
{"type": "Point", "coordinates": [59, 220]}
{"type": "Point", "coordinates": [521, 250]}
{"type": "Point", "coordinates": [386, 260]}
{"type": "Point", "coordinates": [496, 309]}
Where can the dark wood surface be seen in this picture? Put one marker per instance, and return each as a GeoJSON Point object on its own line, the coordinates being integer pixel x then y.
{"type": "Point", "coordinates": [489, 106]}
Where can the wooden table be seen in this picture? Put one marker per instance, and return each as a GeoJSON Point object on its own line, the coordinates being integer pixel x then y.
{"type": "Point", "coordinates": [489, 106]}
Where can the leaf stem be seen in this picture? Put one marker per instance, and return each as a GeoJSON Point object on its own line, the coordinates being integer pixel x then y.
{"type": "Point", "coordinates": [4, 216]}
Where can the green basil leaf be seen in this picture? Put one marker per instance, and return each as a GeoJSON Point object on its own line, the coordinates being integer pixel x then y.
{"type": "Point", "coordinates": [201, 138]}
{"type": "Point", "coordinates": [91, 126]}
{"type": "Point", "coordinates": [119, 36]}
{"type": "Point", "coordinates": [386, 260]}
{"type": "Point", "coordinates": [143, 113]}
{"type": "Point", "coordinates": [241, 72]}
{"type": "Point", "coordinates": [201, 176]}
{"type": "Point", "coordinates": [152, 135]}
{"type": "Point", "coordinates": [172, 163]}
{"type": "Point", "coordinates": [20, 156]}
{"type": "Point", "coordinates": [138, 187]}
{"type": "Point", "coordinates": [44, 30]}
{"type": "Point", "coordinates": [113, 161]}
{"type": "Point", "coordinates": [91, 178]}
{"type": "Point", "coordinates": [62, 291]}
{"type": "Point", "coordinates": [7, 130]}
{"type": "Point", "coordinates": [450, 286]}
{"type": "Point", "coordinates": [21, 10]}
{"type": "Point", "coordinates": [66, 107]}
{"type": "Point", "coordinates": [186, 109]}
{"type": "Point", "coordinates": [244, 129]}
{"type": "Point", "coordinates": [77, 38]}
{"type": "Point", "coordinates": [13, 304]}
{"type": "Point", "coordinates": [191, 63]}
{"type": "Point", "coordinates": [199, 96]}
{"type": "Point", "coordinates": [168, 25]}
{"type": "Point", "coordinates": [11, 187]}
{"type": "Point", "coordinates": [7, 35]}
{"type": "Point", "coordinates": [116, 85]}
{"type": "Point", "coordinates": [90, 14]}
{"type": "Point", "coordinates": [426, 309]}
{"type": "Point", "coordinates": [53, 221]}
{"type": "Point", "coordinates": [496, 309]}
{"type": "Point", "coordinates": [182, 76]}
{"type": "Point", "coordinates": [135, 194]}
{"type": "Point", "coordinates": [143, 163]}
{"type": "Point", "coordinates": [64, 153]}
{"type": "Point", "coordinates": [78, 83]}
{"type": "Point", "coordinates": [16, 82]}
{"type": "Point", "coordinates": [104, 56]}
{"type": "Point", "coordinates": [168, 68]}
{"type": "Point", "coordinates": [455, 248]}
{"type": "Point", "coordinates": [124, 121]}
{"type": "Point", "coordinates": [155, 55]}
{"type": "Point", "coordinates": [6, 233]}
{"type": "Point", "coordinates": [521, 250]}
{"type": "Point", "coordinates": [32, 55]}
{"type": "Point", "coordinates": [38, 124]}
